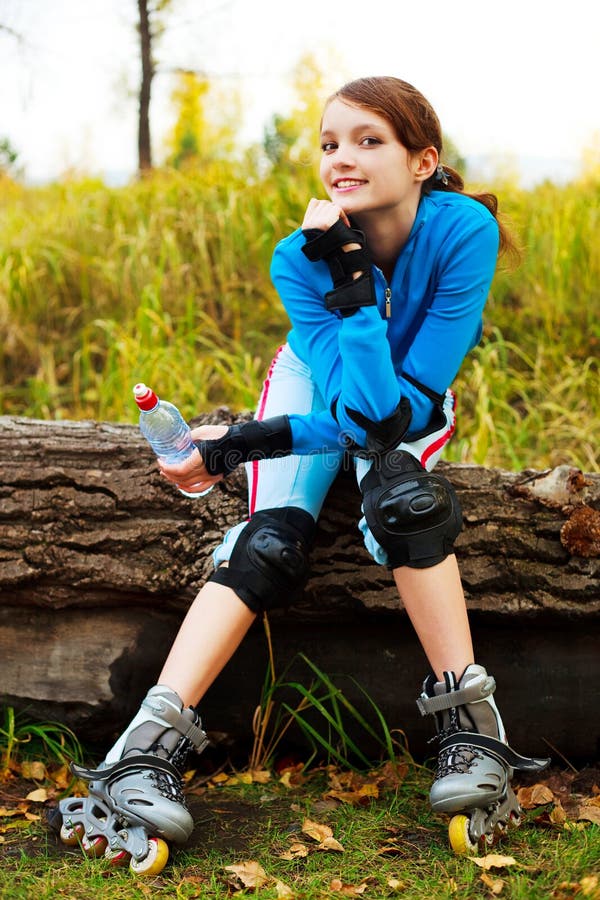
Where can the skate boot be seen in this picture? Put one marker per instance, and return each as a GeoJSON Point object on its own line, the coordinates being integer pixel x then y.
{"type": "Point", "coordinates": [475, 763]}
{"type": "Point", "coordinates": [135, 802]}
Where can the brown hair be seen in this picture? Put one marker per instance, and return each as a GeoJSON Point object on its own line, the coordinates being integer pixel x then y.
{"type": "Point", "coordinates": [416, 126]}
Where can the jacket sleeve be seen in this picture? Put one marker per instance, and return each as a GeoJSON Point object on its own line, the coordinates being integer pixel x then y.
{"type": "Point", "coordinates": [350, 359]}
{"type": "Point", "coordinates": [452, 324]}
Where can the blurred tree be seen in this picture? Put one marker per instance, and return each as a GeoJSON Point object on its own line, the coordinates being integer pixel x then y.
{"type": "Point", "coordinates": [8, 157]}
{"type": "Point", "coordinates": [291, 140]}
{"type": "Point", "coordinates": [206, 122]}
{"type": "Point", "coordinates": [150, 28]}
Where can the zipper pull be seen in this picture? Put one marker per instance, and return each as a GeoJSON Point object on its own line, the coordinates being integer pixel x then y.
{"type": "Point", "coordinates": [388, 303]}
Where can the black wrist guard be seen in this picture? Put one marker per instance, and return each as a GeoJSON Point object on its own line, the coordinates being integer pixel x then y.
{"type": "Point", "coordinates": [384, 435]}
{"type": "Point", "coordinates": [243, 443]}
{"type": "Point", "coordinates": [349, 293]}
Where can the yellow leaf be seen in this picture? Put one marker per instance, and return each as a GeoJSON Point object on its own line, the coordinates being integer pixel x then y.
{"type": "Point", "coordinates": [220, 778]}
{"type": "Point", "coordinates": [260, 776]}
{"type": "Point", "coordinates": [284, 891]}
{"type": "Point", "coordinates": [330, 843]}
{"type": "Point", "coordinates": [249, 874]}
{"type": "Point", "coordinates": [40, 795]}
{"type": "Point", "coordinates": [558, 816]}
{"type": "Point", "coordinates": [5, 813]}
{"type": "Point", "coordinates": [316, 831]}
{"type": "Point", "coordinates": [34, 771]}
{"type": "Point", "coordinates": [493, 861]}
{"type": "Point", "coordinates": [395, 885]}
{"type": "Point", "coordinates": [495, 884]}
{"type": "Point", "coordinates": [297, 851]}
{"type": "Point", "coordinates": [348, 890]}
{"type": "Point", "coordinates": [589, 814]}
{"type": "Point", "coordinates": [589, 886]}
{"type": "Point", "coordinates": [32, 818]}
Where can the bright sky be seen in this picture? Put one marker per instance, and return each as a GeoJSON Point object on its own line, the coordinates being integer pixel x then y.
{"type": "Point", "coordinates": [517, 80]}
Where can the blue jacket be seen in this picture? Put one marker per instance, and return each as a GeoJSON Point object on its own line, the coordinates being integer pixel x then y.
{"type": "Point", "coordinates": [438, 290]}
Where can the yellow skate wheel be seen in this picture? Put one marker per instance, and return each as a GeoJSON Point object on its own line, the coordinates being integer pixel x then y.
{"type": "Point", "coordinates": [94, 846]}
{"type": "Point", "coordinates": [71, 835]}
{"type": "Point", "coordinates": [154, 861]}
{"type": "Point", "coordinates": [458, 833]}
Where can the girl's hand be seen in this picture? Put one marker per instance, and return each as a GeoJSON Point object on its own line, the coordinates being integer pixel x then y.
{"type": "Point", "coordinates": [322, 214]}
{"type": "Point", "coordinates": [191, 474]}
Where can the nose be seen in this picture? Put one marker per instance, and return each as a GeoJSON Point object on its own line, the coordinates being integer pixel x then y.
{"type": "Point", "coordinates": [343, 158]}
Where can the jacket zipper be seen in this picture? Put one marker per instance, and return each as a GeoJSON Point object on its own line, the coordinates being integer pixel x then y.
{"type": "Point", "coordinates": [388, 302]}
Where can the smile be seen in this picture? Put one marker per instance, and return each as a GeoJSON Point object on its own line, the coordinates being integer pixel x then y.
{"type": "Point", "coordinates": [345, 183]}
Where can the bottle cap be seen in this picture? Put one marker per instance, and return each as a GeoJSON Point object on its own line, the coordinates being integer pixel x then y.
{"type": "Point", "coordinates": [144, 397]}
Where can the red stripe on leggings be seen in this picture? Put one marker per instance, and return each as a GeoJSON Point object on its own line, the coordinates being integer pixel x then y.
{"type": "Point", "coordinates": [441, 440]}
{"type": "Point", "coordinates": [259, 416]}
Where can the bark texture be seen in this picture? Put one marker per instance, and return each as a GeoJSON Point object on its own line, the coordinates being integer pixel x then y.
{"type": "Point", "coordinates": [100, 558]}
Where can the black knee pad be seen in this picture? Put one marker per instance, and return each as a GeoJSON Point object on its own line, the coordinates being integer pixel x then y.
{"type": "Point", "coordinates": [269, 564]}
{"type": "Point", "coordinates": [413, 514]}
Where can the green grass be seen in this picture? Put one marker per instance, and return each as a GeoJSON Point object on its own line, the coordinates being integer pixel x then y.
{"type": "Point", "coordinates": [394, 838]}
{"type": "Point", "coordinates": [166, 280]}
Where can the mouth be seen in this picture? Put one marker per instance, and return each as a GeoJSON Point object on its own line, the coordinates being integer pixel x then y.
{"type": "Point", "coordinates": [347, 184]}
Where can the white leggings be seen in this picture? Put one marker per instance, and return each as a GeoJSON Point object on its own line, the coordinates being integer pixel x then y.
{"type": "Point", "coordinates": [305, 480]}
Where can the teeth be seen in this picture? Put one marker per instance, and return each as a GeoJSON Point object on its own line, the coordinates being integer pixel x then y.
{"type": "Point", "coordinates": [348, 183]}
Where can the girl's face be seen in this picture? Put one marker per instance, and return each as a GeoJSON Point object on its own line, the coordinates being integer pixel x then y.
{"type": "Point", "coordinates": [364, 167]}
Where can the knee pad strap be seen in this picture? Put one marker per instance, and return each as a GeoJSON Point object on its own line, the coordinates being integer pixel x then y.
{"type": "Point", "coordinates": [413, 514]}
{"type": "Point", "coordinates": [269, 564]}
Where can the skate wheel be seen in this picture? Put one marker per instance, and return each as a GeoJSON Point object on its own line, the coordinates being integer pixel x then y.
{"type": "Point", "coordinates": [458, 833]}
{"type": "Point", "coordinates": [154, 861]}
{"type": "Point", "coordinates": [117, 857]}
{"type": "Point", "coordinates": [94, 846]}
{"type": "Point", "coordinates": [71, 835]}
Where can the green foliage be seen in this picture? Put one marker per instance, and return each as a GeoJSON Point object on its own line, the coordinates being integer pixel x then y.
{"type": "Point", "coordinates": [22, 738]}
{"type": "Point", "coordinates": [167, 280]}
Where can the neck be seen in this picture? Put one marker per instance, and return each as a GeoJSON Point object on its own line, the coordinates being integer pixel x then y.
{"type": "Point", "coordinates": [387, 232]}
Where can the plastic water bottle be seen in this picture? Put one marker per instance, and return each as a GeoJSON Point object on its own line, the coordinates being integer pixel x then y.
{"type": "Point", "coordinates": [165, 429]}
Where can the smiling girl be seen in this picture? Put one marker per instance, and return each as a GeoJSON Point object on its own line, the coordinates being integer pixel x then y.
{"type": "Point", "coordinates": [384, 284]}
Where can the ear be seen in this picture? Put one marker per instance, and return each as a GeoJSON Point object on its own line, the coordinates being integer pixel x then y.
{"type": "Point", "coordinates": [425, 163]}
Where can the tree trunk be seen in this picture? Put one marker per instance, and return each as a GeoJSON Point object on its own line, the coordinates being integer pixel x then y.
{"type": "Point", "coordinates": [100, 558]}
{"type": "Point", "coordinates": [144, 142]}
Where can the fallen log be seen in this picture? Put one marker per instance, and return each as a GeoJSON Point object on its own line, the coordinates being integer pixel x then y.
{"type": "Point", "coordinates": [100, 558]}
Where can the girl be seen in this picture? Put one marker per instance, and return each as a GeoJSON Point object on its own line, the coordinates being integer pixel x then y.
{"type": "Point", "coordinates": [384, 285]}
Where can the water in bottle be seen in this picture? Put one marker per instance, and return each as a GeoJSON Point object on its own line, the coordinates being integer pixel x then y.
{"type": "Point", "coordinates": [165, 429]}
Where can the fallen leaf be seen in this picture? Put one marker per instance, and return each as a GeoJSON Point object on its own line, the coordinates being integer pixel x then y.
{"type": "Point", "coordinates": [260, 776]}
{"type": "Point", "coordinates": [61, 777]}
{"type": "Point", "coordinates": [316, 831]}
{"type": "Point", "coordinates": [284, 891]}
{"type": "Point", "coordinates": [40, 795]}
{"type": "Point", "coordinates": [296, 851]}
{"type": "Point", "coordinates": [32, 818]}
{"type": "Point", "coordinates": [348, 890]}
{"type": "Point", "coordinates": [493, 861]}
{"type": "Point", "coordinates": [558, 816]}
{"type": "Point", "coordinates": [536, 795]}
{"type": "Point", "coordinates": [330, 843]}
{"type": "Point", "coordinates": [33, 771]}
{"type": "Point", "coordinates": [5, 813]}
{"type": "Point", "coordinates": [395, 885]}
{"type": "Point", "coordinates": [249, 874]}
{"type": "Point", "coordinates": [589, 886]}
{"type": "Point", "coordinates": [588, 813]}
{"type": "Point", "coordinates": [494, 884]}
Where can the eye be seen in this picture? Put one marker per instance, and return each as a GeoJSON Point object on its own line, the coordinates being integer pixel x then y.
{"type": "Point", "coordinates": [370, 141]}
{"type": "Point", "coordinates": [328, 146]}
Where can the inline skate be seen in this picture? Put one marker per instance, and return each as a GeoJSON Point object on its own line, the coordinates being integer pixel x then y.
{"type": "Point", "coordinates": [475, 763]}
{"type": "Point", "coordinates": [135, 802]}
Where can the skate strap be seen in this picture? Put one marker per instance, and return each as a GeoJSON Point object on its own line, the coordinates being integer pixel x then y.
{"type": "Point", "coordinates": [474, 691]}
{"type": "Point", "coordinates": [175, 719]}
{"type": "Point", "coordinates": [496, 748]}
{"type": "Point", "coordinates": [141, 761]}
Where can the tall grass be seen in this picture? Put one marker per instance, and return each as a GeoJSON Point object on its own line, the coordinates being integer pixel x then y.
{"type": "Point", "coordinates": [166, 280]}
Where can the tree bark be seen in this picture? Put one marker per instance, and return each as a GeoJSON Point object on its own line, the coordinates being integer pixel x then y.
{"type": "Point", "coordinates": [100, 558]}
{"type": "Point", "coordinates": [147, 64]}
